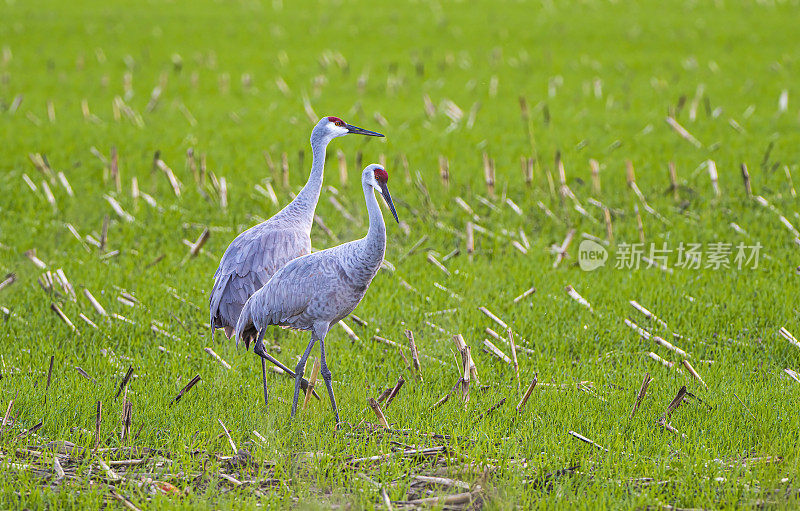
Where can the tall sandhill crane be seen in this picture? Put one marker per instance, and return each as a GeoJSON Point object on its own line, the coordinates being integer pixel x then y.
{"type": "Point", "coordinates": [316, 291]}
{"type": "Point", "coordinates": [257, 253]}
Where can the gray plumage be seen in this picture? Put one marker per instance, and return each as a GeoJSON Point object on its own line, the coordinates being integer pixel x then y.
{"type": "Point", "coordinates": [322, 287]}
{"type": "Point", "coordinates": [257, 253]}
{"type": "Point", "coordinates": [249, 262]}
{"type": "Point", "coordinates": [316, 291]}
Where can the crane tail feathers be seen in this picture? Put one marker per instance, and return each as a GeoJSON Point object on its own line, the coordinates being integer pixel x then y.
{"type": "Point", "coordinates": [245, 329]}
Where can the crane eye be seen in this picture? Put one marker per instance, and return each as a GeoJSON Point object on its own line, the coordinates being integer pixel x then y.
{"type": "Point", "coordinates": [340, 123]}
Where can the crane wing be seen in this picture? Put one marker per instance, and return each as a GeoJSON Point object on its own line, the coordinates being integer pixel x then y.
{"type": "Point", "coordinates": [248, 263]}
{"type": "Point", "coordinates": [286, 296]}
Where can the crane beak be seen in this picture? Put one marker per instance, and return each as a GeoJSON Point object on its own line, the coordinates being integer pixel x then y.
{"type": "Point", "coordinates": [388, 197]}
{"type": "Point", "coordinates": [361, 131]}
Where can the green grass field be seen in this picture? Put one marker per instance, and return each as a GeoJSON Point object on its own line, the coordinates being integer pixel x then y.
{"type": "Point", "coordinates": [240, 84]}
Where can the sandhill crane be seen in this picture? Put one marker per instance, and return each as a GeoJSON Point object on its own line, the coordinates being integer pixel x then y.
{"type": "Point", "coordinates": [316, 291]}
{"type": "Point", "coordinates": [257, 253]}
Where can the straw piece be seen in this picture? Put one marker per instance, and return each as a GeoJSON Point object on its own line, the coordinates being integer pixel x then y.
{"type": "Point", "coordinates": [87, 320]}
{"type": "Point", "coordinates": [219, 359]}
{"type": "Point", "coordinates": [10, 279]}
{"type": "Point", "coordinates": [746, 179]}
{"type": "Point", "coordinates": [110, 474]}
{"type": "Point", "coordinates": [201, 240]}
{"type": "Point", "coordinates": [466, 354]}
{"type": "Point", "coordinates": [525, 295]}
{"type": "Point", "coordinates": [712, 173]}
{"type": "Point", "coordinates": [118, 209]}
{"type": "Point", "coordinates": [228, 435]}
{"type": "Point", "coordinates": [173, 181]}
{"type": "Point", "coordinates": [663, 362]}
{"type": "Point", "coordinates": [675, 403]}
{"type": "Point", "coordinates": [577, 297]}
{"type": "Point", "coordinates": [590, 442]}
{"type": "Point", "coordinates": [683, 132]}
{"type": "Point", "coordinates": [497, 337]}
{"type": "Point", "coordinates": [514, 356]}
{"type": "Point", "coordinates": [395, 390]}
{"type": "Point", "coordinates": [31, 255]}
{"type": "Point", "coordinates": [124, 382]}
{"type": "Point", "coordinates": [691, 370]}
{"type": "Point", "coordinates": [431, 259]}
{"type": "Point", "coordinates": [527, 394]}
{"type": "Point", "coordinates": [414, 354]}
{"type": "Point", "coordinates": [312, 381]}
{"type": "Point", "coordinates": [377, 409]}
{"type": "Point", "coordinates": [490, 410]}
{"type": "Point", "coordinates": [494, 350]}
{"type": "Point", "coordinates": [447, 396]}
{"type": "Point", "coordinates": [663, 342]}
{"type": "Point", "coordinates": [349, 331]}
{"type": "Point", "coordinates": [789, 337]}
{"type": "Point", "coordinates": [649, 315]}
{"type": "Point", "coordinates": [641, 393]}
{"type": "Point", "coordinates": [186, 388]}
{"type": "Point", "coordinates": [95, 304]}
{"type": "Point", "coordinates": [595, 166]}
{"type": "Point", "coordinates": [55, 308]}
{"type": "Point", "coordinates": [97, 422]}
{"type": "Point", "coordinates": [494, 318]}
{"type": "Point", "coordinates": [470, 239]}
{"type": "Point", "coordinates": [561, 251]}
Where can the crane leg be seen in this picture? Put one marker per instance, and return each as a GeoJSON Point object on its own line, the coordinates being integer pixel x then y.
{"type": "Point", "coordinates": [301, 366]}
{"type": "Point", "coordinates": [263, 365]}
{"type": "Point", "coordinates": [260, 350]}
{"type": "Point", "coordinates": [264, 380]}
{"type": "Point", "coordinates": [326, 376]}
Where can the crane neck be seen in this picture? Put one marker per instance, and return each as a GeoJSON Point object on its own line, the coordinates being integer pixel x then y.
{"type": "Point", "coordinates": [306, 201]}
{"type": "Point", "coordinates": [377, 228]}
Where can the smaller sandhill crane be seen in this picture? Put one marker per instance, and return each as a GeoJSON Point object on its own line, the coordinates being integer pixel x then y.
{"type": "Point", "coordinates": [316, 291]}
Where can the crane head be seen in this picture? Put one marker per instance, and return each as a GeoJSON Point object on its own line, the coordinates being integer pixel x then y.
{"type": "Point", "coordinates": [332, 127]}
{"type": "Point", "coordinates": [377, 177]}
